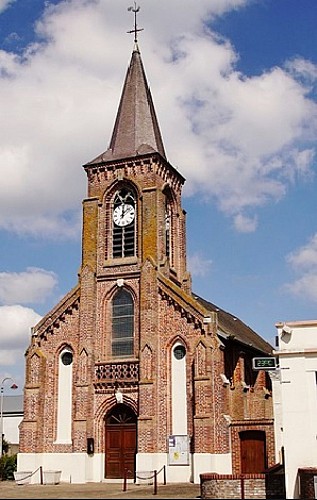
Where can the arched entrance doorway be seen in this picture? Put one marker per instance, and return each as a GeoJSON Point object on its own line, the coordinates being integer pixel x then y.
{"type": "Point", "coordinates": [121, 432]}
{"type": "Point", "coordinates": [253, 451]}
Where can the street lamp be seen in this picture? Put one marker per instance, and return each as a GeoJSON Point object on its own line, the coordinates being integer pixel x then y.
{"type": "Point", "coordinates": [13, 386]}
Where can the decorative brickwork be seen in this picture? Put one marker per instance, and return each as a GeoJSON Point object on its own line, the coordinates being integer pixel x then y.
{"type": "Point", "coordinates": [122, 374]}
{"type": "Point", "coordinates": [217, 346]}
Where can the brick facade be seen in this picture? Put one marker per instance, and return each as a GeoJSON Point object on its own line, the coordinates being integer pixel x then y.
{"type": "Point", "coordinates": [165, 311]}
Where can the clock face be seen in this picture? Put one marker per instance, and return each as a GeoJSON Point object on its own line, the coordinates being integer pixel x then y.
{"type": "Point", "coordinates": [123, 215]}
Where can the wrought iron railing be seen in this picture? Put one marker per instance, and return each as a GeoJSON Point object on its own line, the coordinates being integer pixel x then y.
{"type": "Point", "coordinates": [119, 373]}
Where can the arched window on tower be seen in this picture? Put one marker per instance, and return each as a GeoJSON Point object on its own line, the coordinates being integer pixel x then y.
{"type": "Point", "coordinates": [122, 324]}
{"type": "Point", "coordinates": [124, 226]}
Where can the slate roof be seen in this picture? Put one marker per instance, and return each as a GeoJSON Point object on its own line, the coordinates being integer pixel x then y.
{"type": "Point", "coordinates": [12, 405]}
{"type": "Point", "coordinates": [136, 130]}
{"type": "Point", "coordinates": [230, 325]}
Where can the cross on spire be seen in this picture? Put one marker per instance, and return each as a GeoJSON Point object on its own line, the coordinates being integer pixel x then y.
{"type": "Point", "coordinates": [135, 9]}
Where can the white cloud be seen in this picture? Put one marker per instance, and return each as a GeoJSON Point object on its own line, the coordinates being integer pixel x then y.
{"type": "Point", "coordinates": [15, 329]}
{"type": "Point", "coordinates": [304, 287]}
{"type": "Point", "coordinates": [245, 224]}
{"type": "Point", "coordinates": [235, 138]}
{"type": "Point", "coordinates": [8, 357]}
{"type": "Point", "coordinates": [303, 69]}
{"type": "Point", "coordinates": [304, 263]}
{"type": "Point", "coordinates": [26, 287]}
{"type": "Point", "coordinates": [4, 4]}
{"type": "Point", "coordinates": [305, 258]}
{"type": "Point", "coordinates": [198, 265]}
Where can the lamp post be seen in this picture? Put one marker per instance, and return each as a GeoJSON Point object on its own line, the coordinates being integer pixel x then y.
{"type": "Point", "coordinates": [13, 386]}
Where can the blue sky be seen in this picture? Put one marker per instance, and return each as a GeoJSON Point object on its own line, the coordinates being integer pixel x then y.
{"type": "Point", "coordinates": [234, 87]}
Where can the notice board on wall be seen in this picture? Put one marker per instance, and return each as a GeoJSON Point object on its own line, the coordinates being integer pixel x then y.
{"type": "Point", "coordinates": [178, 449]}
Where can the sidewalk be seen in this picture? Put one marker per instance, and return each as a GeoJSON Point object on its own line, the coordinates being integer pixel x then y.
{"type": "Point", "coordinates": [9, 489]}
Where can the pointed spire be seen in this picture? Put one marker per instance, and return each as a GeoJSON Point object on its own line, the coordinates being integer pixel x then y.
{"type": "Point", "coordinates": [136, 130]}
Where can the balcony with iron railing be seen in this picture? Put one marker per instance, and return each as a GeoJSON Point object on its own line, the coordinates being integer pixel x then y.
{"type": "Point", "coordinates": [116, 374]}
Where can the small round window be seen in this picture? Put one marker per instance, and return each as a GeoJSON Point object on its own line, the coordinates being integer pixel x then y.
{"type": "Point", "coordinates": [67, 358]}
{"type": "Point", "coordinates": [179, 352]}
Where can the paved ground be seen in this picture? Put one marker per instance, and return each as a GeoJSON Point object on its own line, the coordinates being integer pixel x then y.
{"type": "Point", "coordinates": [9, 489]}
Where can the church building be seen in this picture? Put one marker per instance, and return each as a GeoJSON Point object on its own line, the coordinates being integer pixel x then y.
{"type": "Point", "coordinates": [132, 371]}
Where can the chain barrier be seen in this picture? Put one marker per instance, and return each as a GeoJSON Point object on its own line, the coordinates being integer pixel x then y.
{"type": "Point", "coordinates": [30, 475]}
{"type": "Point", "coordinates": [154, 476]}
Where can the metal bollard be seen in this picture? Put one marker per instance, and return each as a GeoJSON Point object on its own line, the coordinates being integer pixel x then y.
{"type": "Point", "coordinates": [125, 480]}
{"type": "Point", "coordinates": [155, 482]}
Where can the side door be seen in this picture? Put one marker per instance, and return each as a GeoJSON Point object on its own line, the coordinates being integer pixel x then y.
{"type": "Point", "coordinates": [253, 452]}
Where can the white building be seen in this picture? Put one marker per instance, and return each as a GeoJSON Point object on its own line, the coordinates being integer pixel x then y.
{"type": "Point", "coordinates": [295, 400]}
{"type": "Point", "coordinates": [12, 416]}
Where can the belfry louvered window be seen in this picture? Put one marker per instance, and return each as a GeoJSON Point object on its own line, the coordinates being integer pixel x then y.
{"type": "Point", "coordinates": [124, 217]}
{"type": "Point", "coordinates": [122, 324]}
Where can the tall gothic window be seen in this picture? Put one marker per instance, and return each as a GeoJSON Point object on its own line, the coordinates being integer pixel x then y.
{"type": "Point", "coordinates": [124, 226]}
{"type": "Point", "coordinates": [122, 324]}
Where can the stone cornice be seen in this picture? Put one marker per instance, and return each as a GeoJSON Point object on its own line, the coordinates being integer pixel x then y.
{"type": "Point", "coordinates": [140, 165]}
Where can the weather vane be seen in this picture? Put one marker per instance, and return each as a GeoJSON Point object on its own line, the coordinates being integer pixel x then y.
{"type": "Point", "coordinates": [135, 9]}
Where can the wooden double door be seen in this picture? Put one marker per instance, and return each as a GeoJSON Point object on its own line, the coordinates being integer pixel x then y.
{"type": "Point", "coordinates": [121, 439]}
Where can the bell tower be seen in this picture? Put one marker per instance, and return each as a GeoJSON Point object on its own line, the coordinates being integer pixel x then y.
{"type": "Point", "coordinates": [136, 193]}
{"type": "Point", "coordinates": [133, 235]}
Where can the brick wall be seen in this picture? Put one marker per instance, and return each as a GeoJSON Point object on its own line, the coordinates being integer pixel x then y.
{"type": "Point", "coordinates": [254, 425]}
{"type": "Point", "coordinates": [232, 486]}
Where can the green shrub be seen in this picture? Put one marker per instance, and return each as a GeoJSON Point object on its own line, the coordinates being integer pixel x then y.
{"type": "Point", "coordinates": [8, 464]}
